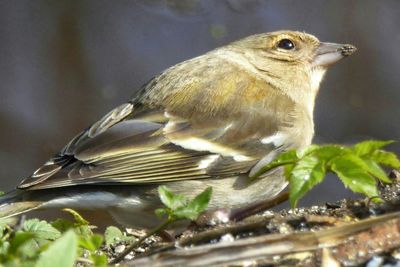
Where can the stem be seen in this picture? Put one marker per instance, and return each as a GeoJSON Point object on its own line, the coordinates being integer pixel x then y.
{"type": "Point", "coordinates": [270, 167]}
{"type": "Point", "coordinates": [84, 260]}
{"type": "Point", "coordinates": [140, 241]}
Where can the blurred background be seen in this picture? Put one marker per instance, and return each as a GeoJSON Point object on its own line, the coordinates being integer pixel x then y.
{"type": "Point", "coordinates": [63, 64]}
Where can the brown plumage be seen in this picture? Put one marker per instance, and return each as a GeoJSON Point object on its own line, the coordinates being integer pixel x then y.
{"type": "Point", "coordinates": [209, 121]}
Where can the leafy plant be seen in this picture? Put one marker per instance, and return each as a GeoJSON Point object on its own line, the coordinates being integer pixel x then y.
{"type": "Point", "coordinates": [64, 242]}
{"type": "Point", "coordinates": [61, 253]}
{"type": "Point", "coordinates": [358, 167]}
{"type": "Point", "coordinates": [60, 243]}
{"type": "Point", "coordinates": [178, 207]}
{"type": "Point", "coordinates": [113, 235]}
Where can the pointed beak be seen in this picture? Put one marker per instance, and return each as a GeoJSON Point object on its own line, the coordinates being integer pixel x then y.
{"type": "Point", "coordinates": [329, 53]}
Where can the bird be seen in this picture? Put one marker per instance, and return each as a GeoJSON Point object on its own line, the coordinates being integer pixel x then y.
{"type": "Point", "coordinates": [213, 120]}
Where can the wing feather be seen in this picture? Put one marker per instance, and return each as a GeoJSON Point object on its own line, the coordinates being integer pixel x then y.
{"type": "Point", "coordinates": [131, 151]}
{"type": "Point", "coordinates": [156, 139]}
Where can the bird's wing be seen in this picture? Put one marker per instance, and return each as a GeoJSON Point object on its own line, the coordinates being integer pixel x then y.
{"type": "Point", "coordinates": [142, 142]}
{"type": "Point", "coordinates": [119, 149]}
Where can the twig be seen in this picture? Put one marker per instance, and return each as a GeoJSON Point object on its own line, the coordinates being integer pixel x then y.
{"type": "Point", "coordinates": [208, 235]}
{"type": "Point", "coordinates": [137, 243]}
{"type": "Point", "coordinates": [344, 242]}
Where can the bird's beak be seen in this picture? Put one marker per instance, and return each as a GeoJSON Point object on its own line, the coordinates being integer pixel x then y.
{"type": "Point", "coordinates": [329, 53]}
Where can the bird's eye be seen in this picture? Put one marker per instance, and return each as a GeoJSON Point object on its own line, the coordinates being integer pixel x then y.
{"type": "Point", "coordinates": [286, 44]}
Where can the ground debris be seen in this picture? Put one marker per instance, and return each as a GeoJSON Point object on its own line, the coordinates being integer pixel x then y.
{"type": "Point", "coordinates": [346, 233]}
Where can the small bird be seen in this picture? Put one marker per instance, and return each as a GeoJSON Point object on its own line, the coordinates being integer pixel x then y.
{"type": "Point", "coordinates": [213, 120]}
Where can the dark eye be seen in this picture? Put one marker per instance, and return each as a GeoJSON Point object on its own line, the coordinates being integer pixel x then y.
{"type": "Point", "coordinates": [286, 44]}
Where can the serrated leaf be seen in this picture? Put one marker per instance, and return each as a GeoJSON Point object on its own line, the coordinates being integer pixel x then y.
{"type": "Point", "coordinates": [353, 176]}
{"type": "Point", "coordinates": [61, 253]}
{"type": "Point", "coordinates": [113, 235]}
{"type": "Point", "coordinates": [375, 170]}
{"type": "Point", "coordinates": [308, 172]}
{"type": "Point", "coordinates": [369, 146]}
{"type": "Point", "coordinates": [386, 158]}
{"type": "Point", "coordinates": [327, 152]}
{"type": "Point", "coordinates": [169, 199]}
{"type": "Point", "coordinates": [41, 229]}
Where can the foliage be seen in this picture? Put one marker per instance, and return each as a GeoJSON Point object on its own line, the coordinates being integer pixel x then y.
{"type": "Point", "coordinates": [177, 207]}
{"type": "Point", "coordinates": [359, 167]}
{"type": "Point", "coordinates": [64, 242]}
{"type": "Point", "coordinates": [59, 243]}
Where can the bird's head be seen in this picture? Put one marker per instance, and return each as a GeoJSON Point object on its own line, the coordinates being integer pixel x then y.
{"type": "Point", "coordinates": [294, 62]}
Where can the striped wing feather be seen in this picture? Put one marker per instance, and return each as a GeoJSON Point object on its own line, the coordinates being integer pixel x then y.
{"type": "Point", "coordinates": [134, 151]}
{"type": "Point", "coordinates": [178, 127]}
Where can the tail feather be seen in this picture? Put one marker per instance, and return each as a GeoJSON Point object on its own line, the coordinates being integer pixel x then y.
{"type": "Point", "coordinates": [14, 203]}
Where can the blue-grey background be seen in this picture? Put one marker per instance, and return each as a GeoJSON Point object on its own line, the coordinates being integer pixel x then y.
{"type": "Point", "coordinates": [63, 64]}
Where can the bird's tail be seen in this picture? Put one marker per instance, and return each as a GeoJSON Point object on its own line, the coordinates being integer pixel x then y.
{"type": "Point", "coordinates": [15, 202]}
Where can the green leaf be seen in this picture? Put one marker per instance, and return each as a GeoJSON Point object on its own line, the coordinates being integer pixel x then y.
{"type": "Point", "coordinates": [4, 248]}
{"type": "Point", "coordinates": [368, 147]}
{"type": "Point", "coordinates": [375, 170]}
{"type": "Point", "coordinates": [308, 172]}
{"type": "Point", "coordinates": [169, 199]}
{"type": "Point", "coordinates": [162, 212]}
{"type": "Point", "coordinates": [19, 239]}
{"type": "Point", "coordinates": [327, 152]}
{"type": "Point", "coordinates": [41, 229]}
{"type": "Point", "coordinates": [288, 157]}
{"type": "Point", "coordinates": [308, 150]}
{"type": "Point", "coordinates": [386, 158]}
{"type": "Point", "coordinates": [99, 260]}
{"type": "Point", "coordinates": [91, 243]}
{"type": "Point", "coordinates": [62, 225]}
{"type": "Point", "coordinates": [113, 235]}
{"type": "Point", "coordinates": [185, 213]}
{"type": "Point", "coordinates": [192, 210]}
{"type": "Point", "coordinates": [83, 230]}
{"type": "Point", "coordinates": [287, 170]}
{"type": "Point", "coordinates": [200, 202]}
{"type": "Point", "coordinates": [354, 176]}
{"type": "Point", "coordinates": [31, 248]}
{"type": "Point", "coordinates": [81, 226]}
{"type": "Point", "coordinates": [61, 253]}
